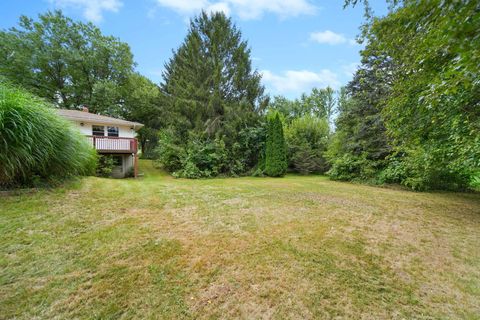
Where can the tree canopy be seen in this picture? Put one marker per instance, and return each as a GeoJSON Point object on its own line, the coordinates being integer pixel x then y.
{"type": "Point", "coordinates": [62, 60]}
{"type": "Point", "coordinates": [420, 74]}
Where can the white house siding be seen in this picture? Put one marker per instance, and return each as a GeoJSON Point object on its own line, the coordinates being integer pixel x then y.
{"type": "Point", "coordinates": [86, 129]}
{"type": "Point", "coordinates": [126, 132]}
{"type": "Point", "coordinates": [128, 163]}
{"type": "Point", "coordinates": [123, 131]}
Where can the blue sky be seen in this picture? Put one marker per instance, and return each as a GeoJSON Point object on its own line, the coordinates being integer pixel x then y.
{"type": "Point", "coordinates": [296, 44]}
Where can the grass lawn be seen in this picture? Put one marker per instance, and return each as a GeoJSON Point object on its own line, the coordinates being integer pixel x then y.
{"type": "Point", "coordinates": [297, 247]}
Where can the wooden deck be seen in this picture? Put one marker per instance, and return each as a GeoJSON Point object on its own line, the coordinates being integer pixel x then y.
{"type": "Point", "coordinates": [114, 144]}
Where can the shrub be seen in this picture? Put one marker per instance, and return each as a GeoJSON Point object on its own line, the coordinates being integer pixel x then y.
{"type": "Point", "coordinates": [105, 166]}
{"type": "Point", "coordinates": [475, 181]}
{"type": "Point", "coordinates": [307, 140]}
{"type": "Point", "coordinates": [275, 151]}
{"type": "Point", "coordinates": [204, 159]}
{"type": "Point", "coordinates": [197, 156]}
{"type": "Point", "coordinates": [306, 160]}
{"type": "Point", "coordinates": [36, 144]}
{"type": "Point", "coordinates": [349, 167]}
{"type": "Point", "coordinates": [170, 152]}
{"type": "Point", "coordinates": [424, 169]}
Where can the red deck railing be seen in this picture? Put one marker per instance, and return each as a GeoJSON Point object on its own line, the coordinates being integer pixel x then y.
{"type": "Point", "coordinates": [114, 144]}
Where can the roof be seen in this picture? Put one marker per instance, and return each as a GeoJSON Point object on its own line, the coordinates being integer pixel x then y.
{"type": "Point", "coordinates": [83, 116]}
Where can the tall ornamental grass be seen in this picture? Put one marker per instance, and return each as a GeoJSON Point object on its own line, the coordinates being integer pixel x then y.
{"type": "Point", "coordinates": [36, 145]}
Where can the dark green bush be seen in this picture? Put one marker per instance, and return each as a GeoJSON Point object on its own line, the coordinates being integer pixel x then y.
{"type": "Point", "coordinates": [275, 151]}
{"type": "Point", "coordinates": [36, 144]}
{"type": "Point", "coordinates": [170, 151]}
{"type": "Point", "coordinates": [307, 140]}
{"type": "Point", "coordinates": [355, 168]}
{"type": "Point", "coordinates": [475, 180]}
{"type": "Point", "coordinates": [105, 166]}
{"type": "Point", "coordinates": [202, 157]}
{"type": "Point", "coordinates": [423, 170]}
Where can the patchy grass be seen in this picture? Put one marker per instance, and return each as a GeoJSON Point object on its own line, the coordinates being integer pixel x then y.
{"type": "Point", "coordinates": [297, 247]}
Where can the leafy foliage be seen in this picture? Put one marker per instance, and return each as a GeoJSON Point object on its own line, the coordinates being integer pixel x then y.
{"type": "Point", "coordinates": [319, 103]}
{"type": "Point", "coordinates": [205, 158]}
{"type": "Point", "coordinates": [307, 140]}
{"type": "Point", "coordinates": [105, 165]}
{"type": "Point", "coordinates": [37, 145]}
{"type": "Point", "coordinates": [212, 99]}
{"type": "Point", "coordinates": [361, 138]}
{"type": "Point", "coordinates": [424, 128]}
{"type": "Point", "coordinates": [275, 149]}
{"type": "Point", "coordinates": [66, 62]}
{"type": "Point", "coordinates": [433, 113]}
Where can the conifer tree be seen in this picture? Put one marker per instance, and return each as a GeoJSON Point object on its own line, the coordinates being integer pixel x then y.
{"type": "Point", "coordinates": [275, 153]}
{"type": "Point", "coordinates": [209, 84]}
{"type": "Point", "coordinates": [213, 100]}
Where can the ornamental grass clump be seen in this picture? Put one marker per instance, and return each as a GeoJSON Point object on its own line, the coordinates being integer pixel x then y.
{"type": "Point", "coordinates": [36, 145]}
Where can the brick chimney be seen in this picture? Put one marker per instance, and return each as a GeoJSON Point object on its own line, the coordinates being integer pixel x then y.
{"type": "Point", "coordinates": [85, 109]}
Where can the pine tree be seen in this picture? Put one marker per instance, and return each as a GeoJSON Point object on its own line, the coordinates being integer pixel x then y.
{"type": "Point", "coordinates": [275, 153]}
{"type": "Point", "coordinates": [213, 97]}
{"type": "Point", "coordinates": [209, 84]}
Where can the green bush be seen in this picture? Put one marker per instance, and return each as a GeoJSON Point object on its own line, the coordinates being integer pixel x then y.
{"type": "Point", "coordinates": [423, 170]}
{"type": "Point", "coordinates": [203, 157]}
{"type": "Point", "coordinates": [170, 151]}
{"type": "Point", "coordinates": [105, 166]}
{"type": "Point", "coordinates": [36, 145]}
{"type": "Point", "coordinates": [355, 168]}
{"type": "Point", "coordinates": [475, 181]}
{"type": "Point", "coordinates": [275, 151]}
{"type": "Point", "coordinates": [307, 140]}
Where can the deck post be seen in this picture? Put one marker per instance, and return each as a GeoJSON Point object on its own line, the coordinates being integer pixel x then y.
{"type": "Point", "coordinates": [135, 165]}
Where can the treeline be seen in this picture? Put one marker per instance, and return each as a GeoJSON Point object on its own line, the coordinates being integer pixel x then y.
{"type": "Point", "coordinates": [410, 115]}
{"type": "Point", "coordinates": [218, 119]}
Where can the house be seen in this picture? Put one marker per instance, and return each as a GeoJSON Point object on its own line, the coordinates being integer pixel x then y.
{"type": "Point", "coordinates": [109, 136]}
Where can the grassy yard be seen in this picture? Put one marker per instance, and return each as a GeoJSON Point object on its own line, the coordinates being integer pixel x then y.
{"type": "Point", "coordinates": [297, 247]}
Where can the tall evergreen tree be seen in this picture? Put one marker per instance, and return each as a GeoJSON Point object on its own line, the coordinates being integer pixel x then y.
{"type": "Point", "coordinates": [209, 82]}
{"type": "Point", "coordinates": [211, 92]}
{"type": "Point", "coordinates": [360, 145]}
{"type": "Point", "coordinates": [275, 153]}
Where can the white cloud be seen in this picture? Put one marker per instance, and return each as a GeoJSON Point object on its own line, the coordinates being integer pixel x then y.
{"type": "Point", "coordinates": [297, 82]}
{"type": "Point", "coordinates": [328, 37]}
{"type": "Point", "coordinates": [254, 9]}
{"type": "Point", "coordinates": [184, 6]}
{"type": "Point", "coordinates": [219, 7]}
{"type": "Point", "coordinates": [92, 9]}
{"type": "Point", "coordinates": [245, 9]}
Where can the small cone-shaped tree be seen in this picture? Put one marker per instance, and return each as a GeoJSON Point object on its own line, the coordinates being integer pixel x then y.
{"type": "Point", "coordinates": [275, 153]}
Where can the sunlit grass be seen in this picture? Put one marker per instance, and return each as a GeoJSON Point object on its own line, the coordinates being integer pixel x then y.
{"type": "Point", "coordinates": [297, 247]}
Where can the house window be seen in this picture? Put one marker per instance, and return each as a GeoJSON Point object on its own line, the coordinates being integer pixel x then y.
{"type": "Point", "coordinates": [112, 131]}
{"type": "Point", "coordinates": [98, 130]}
